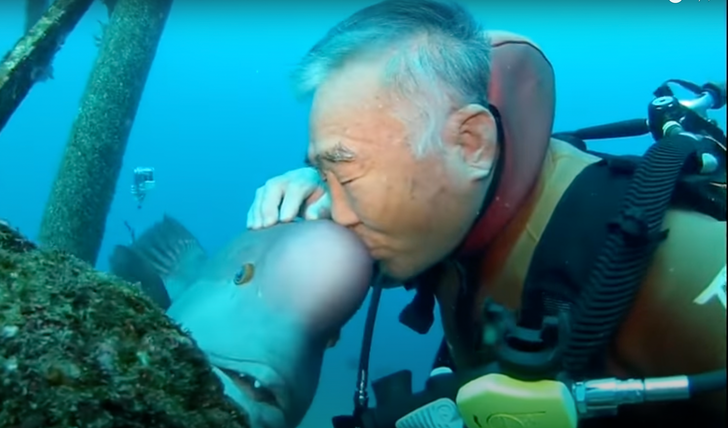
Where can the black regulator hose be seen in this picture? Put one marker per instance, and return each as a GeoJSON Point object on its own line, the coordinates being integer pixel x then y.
{"type": "Point", "coordinates": [707, 382]}
{"type": "Point", "coordinates": [361, 397]}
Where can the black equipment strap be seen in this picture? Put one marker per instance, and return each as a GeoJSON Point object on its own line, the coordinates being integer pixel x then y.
{"type": "Point", "coordinates": [598, 245]}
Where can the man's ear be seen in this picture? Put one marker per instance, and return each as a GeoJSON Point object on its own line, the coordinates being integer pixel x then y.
{"type": "Point", "coordinates": [473, 131]}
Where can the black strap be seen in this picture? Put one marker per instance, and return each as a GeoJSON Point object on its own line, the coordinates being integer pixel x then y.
{"type": "Point", "coordinates": [598, 245]}
{"type": "Point", "coordinates": [632, 240]}
{"type": "Point", "coordinates": [564, 256]}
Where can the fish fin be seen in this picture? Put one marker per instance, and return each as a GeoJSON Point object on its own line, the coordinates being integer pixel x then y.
{"type": "Point", "coordinates": [172, 252]}
{"type": "Point", "coordinates": [130, 266]}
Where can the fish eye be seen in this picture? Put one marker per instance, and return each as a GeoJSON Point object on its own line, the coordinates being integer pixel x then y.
{"type": "Point", "coordinates": [245, 274]}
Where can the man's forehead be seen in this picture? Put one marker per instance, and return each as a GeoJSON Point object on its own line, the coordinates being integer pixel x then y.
{"type": "Point", "coordinates": [351, 110]}
{"type": "Point", "coordinates": [355, 86]}
{"type": "Point", "coordinates": [348, 133]}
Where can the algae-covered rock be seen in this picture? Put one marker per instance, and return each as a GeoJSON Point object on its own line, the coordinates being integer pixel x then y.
{"type": "Point", "coordinates": [80, 348]}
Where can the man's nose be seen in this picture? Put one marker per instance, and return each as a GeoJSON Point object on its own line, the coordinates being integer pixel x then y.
{"type": "Point", "coordinates": [341, 211]}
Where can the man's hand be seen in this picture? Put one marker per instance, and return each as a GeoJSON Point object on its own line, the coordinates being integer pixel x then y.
{"type": "Point", "coordinates": [282, 198]}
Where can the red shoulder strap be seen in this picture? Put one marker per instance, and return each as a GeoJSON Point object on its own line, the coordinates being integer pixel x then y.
{"type": "Point", "coordinates": [522, 89]}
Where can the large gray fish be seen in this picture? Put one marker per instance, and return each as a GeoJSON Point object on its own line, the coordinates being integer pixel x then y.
{"type": "Point", "coordinates": [264, 309]}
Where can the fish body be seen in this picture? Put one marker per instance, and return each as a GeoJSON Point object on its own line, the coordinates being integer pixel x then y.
{"type": "Point", "coordinates": [263, 309]}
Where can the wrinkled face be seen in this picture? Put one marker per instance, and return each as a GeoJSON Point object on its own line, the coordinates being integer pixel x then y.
{"type": "Point", "coordinates": [411, 211]}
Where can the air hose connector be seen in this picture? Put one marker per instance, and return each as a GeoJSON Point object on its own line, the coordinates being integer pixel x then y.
{"type": "Point", "coordinates": [603, 397]}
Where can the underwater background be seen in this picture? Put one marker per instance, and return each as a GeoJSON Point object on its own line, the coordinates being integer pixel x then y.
{"type": "Point", "coordinates": [217, 119]}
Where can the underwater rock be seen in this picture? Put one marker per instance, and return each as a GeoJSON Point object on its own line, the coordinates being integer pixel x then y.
{"type": "Point", "coordinates": [80, 347]}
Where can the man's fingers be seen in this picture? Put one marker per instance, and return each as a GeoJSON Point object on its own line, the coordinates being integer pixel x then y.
{"type": "Point", "coordinates": [270, 201]}
{"type": "Point", "coordinates": [254, 210]}
{"type": "Point", "coordinates": [251, 216]}
{"type": "Point", "coordinates": [293, 201]}
{"type": "Point", "coordinates": [282, 198]}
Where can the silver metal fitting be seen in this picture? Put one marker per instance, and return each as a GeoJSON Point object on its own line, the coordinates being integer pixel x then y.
{"type": "Point", "coordinates": [603, 396]}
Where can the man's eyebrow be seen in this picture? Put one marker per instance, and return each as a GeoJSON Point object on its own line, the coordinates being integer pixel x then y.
{"type": "Point", "coordinates": [336, 154]}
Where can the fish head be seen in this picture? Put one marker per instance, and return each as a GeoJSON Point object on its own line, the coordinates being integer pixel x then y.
{"type": "Point", "coordinates": [265, 309]}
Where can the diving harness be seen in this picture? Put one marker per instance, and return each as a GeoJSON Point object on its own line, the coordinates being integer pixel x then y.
{"type": "Point", "coordinates": [539, 378]}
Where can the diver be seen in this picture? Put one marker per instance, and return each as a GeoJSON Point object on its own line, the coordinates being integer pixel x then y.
{"type": "Point", "coordinates": [561, 266]}
{"type": "Point", "coordinates": [143, 183]}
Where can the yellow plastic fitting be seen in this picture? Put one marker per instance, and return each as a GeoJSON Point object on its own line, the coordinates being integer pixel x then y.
{"type": "Point", "coordinates": [499, 401]}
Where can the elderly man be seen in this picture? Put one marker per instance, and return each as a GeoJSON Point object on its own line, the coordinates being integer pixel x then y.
{"type": "Point", "coordinates": [431, 141]}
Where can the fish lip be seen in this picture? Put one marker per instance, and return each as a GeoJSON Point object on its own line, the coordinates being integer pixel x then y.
{"type": "Point", "coordinates": [279, 387]}
{"type": "Point", "coordinates": [255, 417]}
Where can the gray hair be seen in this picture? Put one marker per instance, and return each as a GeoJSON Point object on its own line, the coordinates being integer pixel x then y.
{"type": "Point", "coordinates": [440, 58]}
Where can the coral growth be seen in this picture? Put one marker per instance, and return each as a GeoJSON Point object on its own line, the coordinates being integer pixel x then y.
{"type": "Point", "coordinates": [81, 348]}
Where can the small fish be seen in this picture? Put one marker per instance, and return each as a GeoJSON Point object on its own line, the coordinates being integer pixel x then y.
{"type": "Point", "coordinates": [264, 309]}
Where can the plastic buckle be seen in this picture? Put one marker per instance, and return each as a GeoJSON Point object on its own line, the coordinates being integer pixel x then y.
{"type": "Point", "coordinates": [522, 352]}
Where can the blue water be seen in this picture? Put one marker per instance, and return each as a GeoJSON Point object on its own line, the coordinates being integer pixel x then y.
{"type": "Point", "coordinates": [217, 118]}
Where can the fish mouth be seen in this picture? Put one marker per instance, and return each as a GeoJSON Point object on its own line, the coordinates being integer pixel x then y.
{"type": "Point", "coordinates": [259, 382]}
{"type": "Point", "coordinates": [254, 388]}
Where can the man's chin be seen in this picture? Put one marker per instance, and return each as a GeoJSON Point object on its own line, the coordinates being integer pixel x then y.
{"type": "Point", "coordinates": [388, 275]}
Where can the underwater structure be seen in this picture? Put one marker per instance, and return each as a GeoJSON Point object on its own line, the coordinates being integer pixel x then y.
{"type": "Point", "coordinates": [75, 216]}
{"type": "Point", "coordinates": [28, 62]}
{"type": "Point", "coordinates": [80, 347]}
{"type": "Point", "coordinates": [34, 10]}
